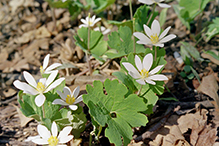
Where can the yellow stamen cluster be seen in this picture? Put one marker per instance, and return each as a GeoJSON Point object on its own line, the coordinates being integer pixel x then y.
{"type": "Point", "coordinates": [53, 141]}
{"type": "Point", "coordinates": [40, 87]}
{"type": "Point", "coordinates": [154, 39]}
{"type": "Point", "coordinates": [144, 73]}
{"type": "Point", "coordinates": [70, 99]}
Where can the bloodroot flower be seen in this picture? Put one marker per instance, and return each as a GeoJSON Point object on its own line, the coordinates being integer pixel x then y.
{"type": "Point", "coordinates": [46, 138]}
{"type": "Point", "coordinates": [143, 74]}
{"type": "Point", "coordinates": [47, 70]}
{"type": "Point", "coordinates": [38, 88]}
{"type": "Point", "coordinates": [150, 2]}
{"type": "Point", "coordinates": [68, 98]}
{"type": "Point", "coordinates": [89, 21]}
{"type": "Point", "coordinates": [153, 35]}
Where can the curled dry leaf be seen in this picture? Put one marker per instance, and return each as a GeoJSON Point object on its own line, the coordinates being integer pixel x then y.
{"type": "Point", "coordinates": [209, 86]}
{"type": "Point", "coordinates": [208, 56]}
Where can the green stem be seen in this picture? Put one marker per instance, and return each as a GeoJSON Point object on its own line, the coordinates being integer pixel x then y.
{"type": "Point", "coordinates": [100, 129]}
{"type": "Point", "coordinates": [155, 53]}
{"type": "Point", "coordinates": [133, 23]}
{"type": "Point", "coordinates": [44, 116]}
{"type": "Point", "coordinates": [152, 13]}
{"type": "Point", "coordinates": [130, 8]}
{"type": "Point", "coordinates": [90, 139]}
{"type": "Point", "coordinates": [139, 90]}
{"type": "Point", "coordinates": [88, 47]}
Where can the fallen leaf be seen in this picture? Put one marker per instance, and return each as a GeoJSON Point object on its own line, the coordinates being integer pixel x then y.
{"type": "Point", "coordinates": [210, 57]}
{"type": "Point", "coordinates": [42, 32]}
{"type": "Point", "coordinates": [209, 86]}
{"type": "Point", "coordinates": [26, 37]}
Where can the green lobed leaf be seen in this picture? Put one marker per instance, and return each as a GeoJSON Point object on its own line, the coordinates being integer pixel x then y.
{"type": "Point", "coordinates": [119, 114]}
{"type": "Point", "coordinates": [102, 5]}
{"type": "Point", "coordinates": [122, 42]}
{"type": "Point", "coordinates": [118, 23]}
{"type": "Point", "coordinates": [142, 16]}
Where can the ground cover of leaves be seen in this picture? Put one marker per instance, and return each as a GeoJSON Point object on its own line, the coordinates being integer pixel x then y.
{"type": "Point", "coordinates": [27, 35]}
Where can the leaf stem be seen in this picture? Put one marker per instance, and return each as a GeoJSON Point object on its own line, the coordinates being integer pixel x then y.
{"type": "Point", "coordinates": [133, 23]}
{"type": "Point", "coordinates": [100, 129]}
{"type": "Point", "coordinates": [151, 14]}
{"type": "Point", "coordinates": [139, 91]}
{"type": "Point", "coordinates": [130, 8]}
{"type": "Point", "coordinates": [88, 47]}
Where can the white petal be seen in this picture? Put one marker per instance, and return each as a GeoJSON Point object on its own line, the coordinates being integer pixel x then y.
{"type": "Point", "coordinates": [148, 61]}
{"type": "Point", "coordinates": [141, 36]}
{"type": "Point", "coordinates": [168, 38]}
{"type": "Point", "coordinates": [144, 42]}
{"type": "Point", "coordinates": [43, 132]}
{"type": "Point", "coordinates": [25, 87]}
{"type": "Point", "coordinates": [135, 76]}
{"type": "Point", "coordinates": [84, 21]}
{"type": "Point", "coordinates": [65, 132]}
{"type": "Point", "coordinates": [93, 18]}
{"type": "Point", "coordinates": [163, 5]}
{"type": "Point", "coordinates": [79, 99]}
{"type": "Point", "coordinates": [158, 77]}
{"type": "Point", "coordinates": [138, 63]}
{"type": "Point", "coordinates": [30, 138]}
{"type": "Point", "coordinates": [53, 66]}
{"type": "Point", "coordinates": [63, 96]}
{"type": "Point", "coordinates": [40, 141]}
{"type": "Point", "coordinates": [155, 27]}
{"type": "Point", "coordinates": [29, 78]}
{"type": "Point", "coordinates": [148, 2]}
{"type": "Point", "coordinates": [54, 84]}
{"type": "Point", "coordinates": [155, 70]}
{"type": "Point", "coordinates": [73, 107]}
{"type": "Point", "coordinates": [83, 25]}
{"type": "Point", "coordinates": [59, 101]}
{"type": "Point", "coordinates": [39, 100]}
{"type": "Point", "coordinates": [131, 69]}
{"type": "Point", "coordinates": [164, 32]}
{"type": "Point", "coordinates": [65, 139]}
{"type": "Point", "coordinates": [140, 81]}
{"type": "Point", "coordinates": [159, 44]}
{"type": "Point", "coordinates": [51, 78]}
{"type": "Point", "coordinates": [42, 80]}
{"type": "Point", "coordinates": [95, 21]}
{"type": "Point", "coordinates": [46, 61]}
{"type": "Point", "coordinates": [67, 90]}
{"type": "Point", "coordinates": [76, 91]}
{"type": "Point", "coordinates": [54, 129]}
{"type": "Point", "coordinates": [148, 31]}
{"type": "Point", "coordinates": [150, 81]}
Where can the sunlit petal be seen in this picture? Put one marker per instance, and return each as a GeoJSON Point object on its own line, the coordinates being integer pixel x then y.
{"type": "Point", "coordinates": [142, 37]}
{"type": "Point", "coordinates": [163, 5]}
{"type": "Point", "coordinates": [76, 91]}
{"type": "Point", "coordinates": [46, 61]}
{"type": "Point", "coordinates": [79, 99]}
{"type": "Point", "coordinates": [95, 21]}
{"type": "Point", "coordinates": [138, 63]}
{"type": "Point", "coordinates": [39, 100]}
{"type": "Point", "coordinates": [158, 77]}
{"type": "Point", "coordinates": [54, 84]}
{"type": "Point", "coordinates": [164, 32]}
{"type": "Point", "coordinates": [53, 66]}
{"type": "Point", "coordinates": [59, 101]}
{"type": "Point", "coordinates": [54, 129]}
{"type": "Point", "coordinates": [148, 61]}
{"type": "Point", "coordinates": [65, 139]}
{"type": "Point", "coordinates": [82, 25]}
{"type": "Point", "coordinates": [65, 132]}
{"type": "Point", "coordinates": [63, 96]}
{"type": "Point", "coordinates": [131, 68]}
{"type": "Point", "coordinates": [148, 2]}
{"type": "Point", "coordinates": [84, 21]}
{"type": "Point", "coordinates": [40, 141]}
{"type": "Point", "coordinates": [43, 132]}
{"type": "Point", "coordinates": [150, 81]}
{"type": "Point", "coordinates": [141, 81]}
{"type": "Point", "coordinates": [67, 90]}
{"type": "Point", "coordinates": [25, 87]}
{"type": "Point", "coordinates": [147, 30]}
{"type": "Point", "coordinates": [73, 107]}
{"type": "Point", "coordinates": [29, 78]}
{"type": "Point", "coordinates": [155, 27]}
{"type": "Point", "coordinates": [51, 78]}
{"type": "Point", "coordinates": [168, 38]}
{"type": "Point", "coordinates": [155, 70]}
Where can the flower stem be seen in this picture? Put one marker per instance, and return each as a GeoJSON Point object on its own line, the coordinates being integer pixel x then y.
{"type": "Point", "coordinates": [152, 13]}
{"type": "Point", "coordinates": [100, 129]}
{"type": "Point", "coordinates": [43, 108]}
{"type": "Point", "coordinates": [130, 8]}
{"type": "Point", "coordinates": [155, 53]}
{"type": "Point", "coordinates": [90, 139]}
{"type": "Point", "coordinates": [88, 47]}
{"type": "Point", "coordinates": [139, 90]}
{"type": "Point", "coordinates": [133, 23]}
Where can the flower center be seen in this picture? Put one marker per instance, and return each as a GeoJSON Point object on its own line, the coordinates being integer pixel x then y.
{"type": "Point", "coordinates": [40, 87]}
{"type": "Point", "coordinates": [70, 99]}
{"type": "Point", "coordinates": [53, 141]}
{"type": "Point", "coordinates": [90, 23]}
{"type": "Point", "coordinates": [41, 70]}
{"type": "Point", "coordinates": [144, 73]}
{"type": "Point", "coordinates": [154, 38]}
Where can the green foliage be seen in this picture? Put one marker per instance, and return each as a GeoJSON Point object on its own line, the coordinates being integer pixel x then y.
{"type": "Point", "coordinates": [102, 5]}
{"type": "Point", "coordinates": [212, 54]}
{"type": "Point", "coordinates": [118, 23]}
{"type": "Point", "coordinates": [117, 113]}
{"type": "Point", "coordinates": [213, 29]}
{"type": "Point", "coordinates": [97, 45]}
{"type": "Point", "coordinates": [122, 42]}
{"type": "Point", "coordinates": [162, 17]}
{"type": "Point", "coordinates": [189, 73]}
{"type": "Point", "coordinates": [187, 10]}
{"type": "Point", "coordinates": [142, 16]}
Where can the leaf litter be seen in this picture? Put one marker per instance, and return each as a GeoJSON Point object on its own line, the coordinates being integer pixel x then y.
{"type": "Point", "coordinates": [27, 35]}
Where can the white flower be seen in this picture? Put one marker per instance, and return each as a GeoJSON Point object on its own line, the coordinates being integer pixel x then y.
{"type": "Point", "coordinates": [102, 29]}
{"type": "Point", "coordinates": [69, 98]}
{"type": "Point", "coordinates": [150, 2]}
{"type": "Point", "coordinates": [45, 136]}
{"type": "Point", "coordinates": [89, 21]}
{"type": "Point", "coordinates": [64, 1]}
{"type": "Point", "coordinates": [153, 35]}
{"type": "Point", "coordinates": [47, 70]}
{"type": "Point", "coordinates": [38, 88]}
{"type": "Point", "coordinates": [143, 74]}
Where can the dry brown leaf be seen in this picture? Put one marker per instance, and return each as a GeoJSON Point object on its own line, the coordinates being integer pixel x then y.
{"type": "Point", "coordinates": [3, 55]}
{"type": "Point", "coordinates": [208, 56]}
{"type": "Point", "coordinates": [42, 32]}
{"type": "Point", "coordinates": [15, 4]}
{"type": "Point", "coordinates": [80, 52]}
{"type": "Point", "coordinates": [75, 142]}
{"type": "Point", "coordinates": [9, 92]}
{"type": "Point", "coordinates": [26, 37]}
{"type": "Point", "coordinates": [23, 119]}
{"type": "Point", "coordinates": [133, 143]}
{"type": "Point", "coordinates": [209, 86]}
{"type": "Point", "coordinates": [31, 18]}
